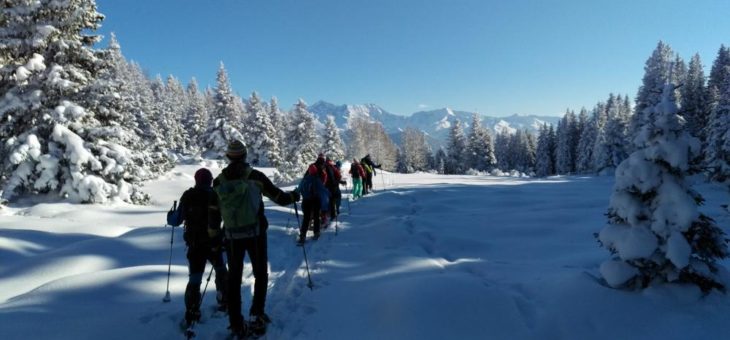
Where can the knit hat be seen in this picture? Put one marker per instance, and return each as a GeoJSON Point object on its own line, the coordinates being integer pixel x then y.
{"type": "Point", "coordinates": [338, 164]}
{"type": "Point", "coordinates": [203, 178]}
{"type": "Point", "coordinates": [236, 149]}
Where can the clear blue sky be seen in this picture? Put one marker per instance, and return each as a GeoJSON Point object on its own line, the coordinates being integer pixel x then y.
{"type": "Point", "coordinates": [497, 57]}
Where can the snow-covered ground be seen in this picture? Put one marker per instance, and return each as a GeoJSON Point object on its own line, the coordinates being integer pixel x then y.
{"type": "Point", "coordinates": [424, 257]}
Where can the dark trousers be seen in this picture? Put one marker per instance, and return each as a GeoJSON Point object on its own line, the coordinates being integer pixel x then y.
{"type": "Point", "coordinates": [256, 247]}
{"type": "Point", "coordinates": [197, 258]}
{"type": "Point", "coordinates": [311, 208]}
{"type": "Point", "coordinates": [369, 181]}
{"type": "Point", "coordinates": [335, 200]}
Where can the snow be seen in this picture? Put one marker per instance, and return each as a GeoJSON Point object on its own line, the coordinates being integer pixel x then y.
{"type": "Point", "coordinates": [424, 257]}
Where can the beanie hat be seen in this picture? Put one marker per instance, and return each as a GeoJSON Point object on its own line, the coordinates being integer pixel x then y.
{"type": "Point", "coordinates": [203, 178]}
{"type": "Point", "coordinates": [236, 149]}
{"type": "Point", "coordinates": [338, 164]}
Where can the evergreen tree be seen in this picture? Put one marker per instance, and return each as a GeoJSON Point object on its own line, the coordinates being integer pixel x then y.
{"type": "Point", "coordinates": [565, 149]}
{"type": "Point", "coordinates": [456, 162]}
{"type": "Point", "coordinates": [58, 113]}
{"type": "Point", "coordinates": [655, 230]}
{"type": "Point", "coordinates": [196, 118]}
{"type": "Point", "coordinates": [656, 73]}
{"type": "Point", "coordinates": [480, 148]}
{"type": "Point", "coordinates": [440, 160]}
{"type": "Point", "coordinates": [718, 139]}
{"type": "Point", "coordinates": [543, 162]}
{"type": "Point", "coordinates": [262, 134]}
{"type": "Point", "coordinates": [717, 73]}
{"type": "Point", "coordinates": [616, 132]}
{"type": "Point", "coordinates": [695, 108]}
{"type": "Point", "coordinates": [303, 143]}
{"type": "Point", "coordinates": [225, 112]}
{"type": "Point", "coordinates": [333, 146]}
{"type": "Point", "coordinates": [175, 107]}
{"type": "Point", "coordinates": [501, 150]}
{"type": "Point", "coordinates": [586, 143]}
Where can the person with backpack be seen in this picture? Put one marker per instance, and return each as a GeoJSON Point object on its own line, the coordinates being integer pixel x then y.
{"type": "Point", "coordinates": [239, 204]}
{"type": "Point", "coordinates": [334, 179]}
{"type": "Point", "coordinates": [193, 210]}
{"type": "Point", "coordinates": [357, 173]}
{"type": "Point", "coordinates": [314, 196]}
{"type": "Point", "coordinates": [369, 167]}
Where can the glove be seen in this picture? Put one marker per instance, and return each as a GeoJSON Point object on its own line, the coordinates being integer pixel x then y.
{"type": "Point", "coordinates": [295, 196]}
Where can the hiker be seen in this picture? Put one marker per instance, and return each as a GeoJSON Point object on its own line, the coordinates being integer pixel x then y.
{"type": "Point", "coordinates": [338, 198]}
{"type": "Point", "coordinates": [193, 210]}
{"type": "Point", "coordinates": [314, 196]}
{"type": "Point", "coordinates": [369, 167]}
{"type": "Point", "coordinates": [238, 202]}
{"type": "Point", "coordinates": [357, 173]}
{"type": "Point", "coordinates": [334, 179]}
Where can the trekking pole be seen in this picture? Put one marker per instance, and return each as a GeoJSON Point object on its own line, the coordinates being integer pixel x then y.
{"type": "Point", "coordinates": [337, 222]}
{"type": "Point", "coordinates": [304, 250]}
{"type": "Point", "coordinates": [190, 333]}
{"type": "Point", "coordinates": [169, 264]}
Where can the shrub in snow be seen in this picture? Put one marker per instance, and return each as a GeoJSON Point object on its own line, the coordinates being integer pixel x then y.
{"type": "Point", "coordinates": [655, 230]}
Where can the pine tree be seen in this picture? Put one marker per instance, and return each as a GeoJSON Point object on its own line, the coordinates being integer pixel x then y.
{"type": "Point", "coordinates": [695, 108]}
{"type": "Point", "coordinates": [718, 139]}
{"type": "Point", "coordinates": [262, 134]}
{"type": "Point", "coordinates": [501, 151]}
{"type": "Point", "coordinates": [175, 107]}
{"type": "Point", "coordinates": [57, 111]}
{"type": "Point", "coordinates": [456, 151]}
{"type": "Point", "coordinates": [565, 151]}
{"type": "Point", "coordinates": [196, 118]}
{"type": "Point", "coordinates": [656, 73]}
{"type": "Point", "coordinates": [333, 146]}
{"type": "Point", "coordinates": [586, 143]}
{"type": "Point", "coordinates": [440, 160]}
{"type": "Point", "coordinates": [616, 139]}
{"type": "Point", "coordinates": [224, 115]}
{"type": "Point", "coordinates": [303, 143]}
{"type": "Point", "coordinates": [480, 148]}
{"type": "Point", "coordinates": [655, 230]}
{"type": "Point", "coordinates": [543, 162]}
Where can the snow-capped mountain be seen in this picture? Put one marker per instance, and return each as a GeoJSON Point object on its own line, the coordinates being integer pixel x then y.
{"type": "Point", "coordinates": [435, 123]}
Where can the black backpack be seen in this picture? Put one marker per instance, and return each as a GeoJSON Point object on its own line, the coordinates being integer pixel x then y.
{"type": "Point", "coordinates": [195, 204]}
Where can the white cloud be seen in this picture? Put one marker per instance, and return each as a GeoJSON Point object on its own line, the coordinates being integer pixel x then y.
{"type": "Point", "coordinates": [422, 106]}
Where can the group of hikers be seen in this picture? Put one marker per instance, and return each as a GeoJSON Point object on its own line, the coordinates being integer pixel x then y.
{"type": "Point", "coordinates": [235, 198]}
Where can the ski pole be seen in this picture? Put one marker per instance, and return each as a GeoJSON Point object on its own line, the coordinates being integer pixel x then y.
{"type": "Point", "coordinates": [169, 264]}
{"type": "Point", "coordinates": [189, 333]}
{"type": "Point", "coordinates": [304, 250]}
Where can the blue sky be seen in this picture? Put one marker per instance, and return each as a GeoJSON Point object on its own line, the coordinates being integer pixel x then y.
{"type": "Point", "coordinates": [495, 57]}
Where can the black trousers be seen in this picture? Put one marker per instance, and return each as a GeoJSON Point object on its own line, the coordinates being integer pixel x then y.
{"type": "Point", "coordinates": [256, 247]}
{"type": "Point", "coordinates": [311, 208]}
{"type": "Point", "coordinates": [197, 258]}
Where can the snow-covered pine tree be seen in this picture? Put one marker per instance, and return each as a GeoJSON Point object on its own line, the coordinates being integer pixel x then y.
{"type": "Point", "coordinates": [56, 138]}
{"type": "Point", "coordinates": [225, 112]}
{"type": "Point", "coordinates": [440, 160]}
{"type": "Point", "coordinates": [695, 109]}
{"type": "Point", "coordinates": [196, 117]}
{"type": "Point", "coordinates": [657, 71]}
{"type": "Point", "coordinates": [718, 134]}
{"type": "Point", "coordinates": [176, 103]}
{"type": "Point", "coordinates": [480, 148]}
{"type": "Point", "coordinates": [262, 134]}
{"type": "Point", "coordinates": [303, 143]}
{"type": "Point", "coordinates": [655, 230]}
{"type": "Point", "coordinates": [457, 161]}
{"type": "Point", "coordinates": [616, 139]}
{"type": "Point", "coordinates": [333, 146]}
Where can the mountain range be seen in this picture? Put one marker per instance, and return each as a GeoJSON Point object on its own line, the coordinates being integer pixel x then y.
{"type": "Point", "coordinates": [435, 123]}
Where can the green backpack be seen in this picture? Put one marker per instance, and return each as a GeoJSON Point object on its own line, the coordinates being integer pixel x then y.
{"type": "Point", "coordinates": [239, 202]}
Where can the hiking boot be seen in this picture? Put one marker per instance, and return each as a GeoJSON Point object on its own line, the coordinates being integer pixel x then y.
{"type": "Point", "coordinates": [239, 332]}
{"type": "Point", "coordinates": [257, 325]}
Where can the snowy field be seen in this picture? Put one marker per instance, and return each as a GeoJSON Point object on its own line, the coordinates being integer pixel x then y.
{"type": "Point", "coordinates": [424, 257]}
